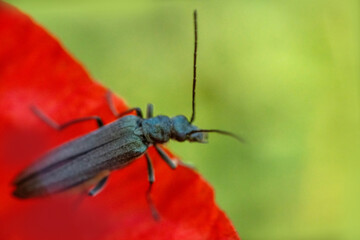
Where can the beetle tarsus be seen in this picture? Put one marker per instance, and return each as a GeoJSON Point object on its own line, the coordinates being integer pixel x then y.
{"type": "Point", "coordinates": [115, 111]}
{"type": "Point", "coordinates": [154, 212]}
{"type": "Point", "coordinates": [187, 165]}
{"type": "Point", "coordinates": [99, 187]}
{"type": "Point", "coordinates": [59, 127]}
{"type": "Point", "coordinates": [151, 177]}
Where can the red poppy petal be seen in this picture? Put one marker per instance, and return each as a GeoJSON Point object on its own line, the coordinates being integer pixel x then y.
{"type": "Point", "coordinates": [35, 70]}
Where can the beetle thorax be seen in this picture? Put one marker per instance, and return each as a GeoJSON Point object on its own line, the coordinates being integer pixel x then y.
{"type": "Point", "coordinates": [157, 129]}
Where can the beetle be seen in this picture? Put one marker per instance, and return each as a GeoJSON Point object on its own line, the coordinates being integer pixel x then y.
{"type": "Point", "coordinates": [112, 146]}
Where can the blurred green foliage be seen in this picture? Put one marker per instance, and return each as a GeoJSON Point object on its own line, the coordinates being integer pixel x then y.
{"type": "Point", "coordinates": [283, 74]}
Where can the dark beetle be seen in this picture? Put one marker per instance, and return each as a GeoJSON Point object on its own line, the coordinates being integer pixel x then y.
{"type": "Point", "coordinates": [112, 146]}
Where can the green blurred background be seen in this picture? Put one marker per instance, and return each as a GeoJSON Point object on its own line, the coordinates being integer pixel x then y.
{"type": "Point", "coordinates": [283, 74]}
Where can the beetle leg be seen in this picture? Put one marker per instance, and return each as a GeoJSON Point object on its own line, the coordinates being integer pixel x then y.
{"type": "Point", "coordinates": [57, 126]}
{"type": "Point", "coordinates": [164, 156]}
{"type": "Point", "coordinates": [149, 111]}
{"type": "Point", "coordinates": [187, 165]}
{"type": "Point", "coordinates": [111, 104]}
{"type": "Point", "coordinates": [99, 186]}
{"type": "Point", "coordinates": [137, 110]}
{"type": "Point", "coordinates": [151, 177]}
{"type": "Point", "coordinates": [115, 111]}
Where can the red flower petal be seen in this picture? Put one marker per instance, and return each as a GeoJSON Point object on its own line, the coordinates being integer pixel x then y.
{"type": "Point", "coordinates": [35, 70]}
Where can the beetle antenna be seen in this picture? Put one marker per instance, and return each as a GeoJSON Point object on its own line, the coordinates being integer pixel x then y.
{"type": "Point", "coordinates": [194, 68]}
{"type": "Point", "coordinates": [240, 139]}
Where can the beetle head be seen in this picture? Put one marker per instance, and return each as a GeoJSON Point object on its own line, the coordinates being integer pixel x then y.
{"type": "Point", "coordinates": [182, 130]}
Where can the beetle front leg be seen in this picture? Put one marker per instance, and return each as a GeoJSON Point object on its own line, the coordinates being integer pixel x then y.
{"type": "Point", "coordinates": [165, 157]}
{"type": "Point", "coordinates": [187, 165]}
